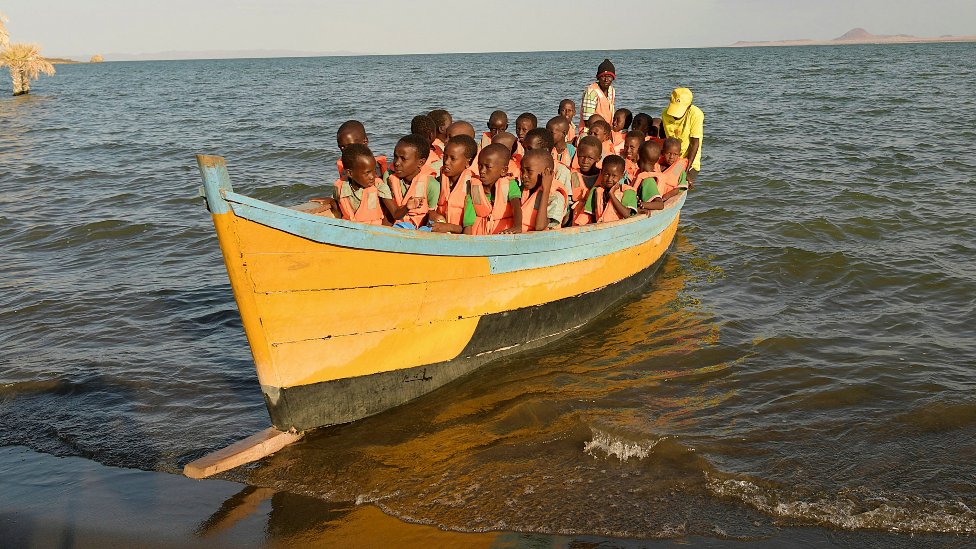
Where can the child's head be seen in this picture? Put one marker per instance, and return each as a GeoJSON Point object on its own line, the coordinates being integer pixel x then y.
{"type": "Point", "coordinates": [459, 151]}
{"type": "Point", "coordinates": [493, 163]}
{"type": "Point", "coordinates": [657, 128]}
{"type": "Point", "coordinates": [648, 155]}
{"type": "Point", "coordinates": [594, 118]}
{"type": "Point", "coordinates": [538, 138]}
{"type": "Point", "coordinates": [460, 128]}
{"type": "Point", "coordinates": [559, 126]}
{"type": "Point", "coordinates": [359, 164]}
{"type": "Point", "coordinates": [601, 130]}
{"type": "Point", "coordinates": [424, 126]}
{"type": "Point", "coordinates": [409, 155]}
{"type": "Point", "coordinates": [351, 131]}
{"type": "Point", "coordinates": [588, 153]}
{"type": "Point", "coordinates": [567, 109]}
{"type": "Point", "coordinates": [497, 122]}
{"type": "Point", "coordinates": [525, 122]}
{"type": "Point", "coordinates": [642, 122]}
{"type": "Point", "coordinates": [632, 142]}
{"type": "Point", "coordinates": [506, 139]}
{"type": "Point", "coordinates": [614, 168]}
{"type": "Point", "coordinates": [670, 151]}
{"type": "Point", "coordinates": [535, 164]}
{"type": "Point", "coordinates": [622, 120]}
{"type": "Point", "coordinates": [442, 119]}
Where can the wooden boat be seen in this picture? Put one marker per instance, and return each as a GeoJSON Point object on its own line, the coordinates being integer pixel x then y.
{"type": "Point", "coordinates": [346, 320]}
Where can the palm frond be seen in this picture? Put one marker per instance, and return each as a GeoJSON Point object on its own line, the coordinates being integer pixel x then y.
{"type": "Point", "coordinates": [26, 58]}
{"type": "Point", "coordinates": [4, 37]}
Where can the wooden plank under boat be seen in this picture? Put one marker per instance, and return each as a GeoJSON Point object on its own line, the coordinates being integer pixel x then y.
{"type": "Point", "coordinates": [346, 320]}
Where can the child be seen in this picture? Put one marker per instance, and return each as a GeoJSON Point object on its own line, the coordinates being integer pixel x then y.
{"type": "Point", "coordinates": [621, 125]}
{"type": "Point", "coordinates": [646, 180]}
{"type": "Point", "coordinates": [353, 131]}
{"type": "Point", "coordinates": [460, 128]}
{"type": "Point", "coordinates": [657, 128]}
{"type": "Point", "coordinates": [525, 122]}
{"type": "Point", "coordinates": [563, 151]}
{"type": "Point", "coordinates": [541, 138]}
{"type": "Point", "coordinates": [494, 201]}
{"type": "Point", "coordinates": [611, 199]}
{"type": "Point", "coordinates": [442, 119]}
{"type": "Point", "coordinates": [516, 151]}
{"type": "Point", "coordinates": [541, 191]}
{"type": "Point", "coordinates": [567, 110]}
{"type": "Point", "coordinates": [413, 183]}
{"type": "Point", "coordinates": [425, 127]}
{"type": "Point", "coordinates": [497, 122]}
{"type": "Point", "coordinates": [644, 123]}
{"type": "Point", "coordinates": [601, 130]}
{"type": "Point", "coordinates": [632, 143]}
{"type": "Point", "coordinates": [588, 154]}
{"type": "Point", "coordinates": [358, 194]}
{"type": "Point", "coordinates": [459, 151]}
{"type": "Point", "coordinates": [673, 167]}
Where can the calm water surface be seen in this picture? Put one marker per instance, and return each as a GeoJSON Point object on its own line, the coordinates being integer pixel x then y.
{"type": "Point", "coordinates": [804, 357]}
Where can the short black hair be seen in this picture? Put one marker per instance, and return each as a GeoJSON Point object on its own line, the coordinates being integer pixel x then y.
{"type": "Point", "coordinates": [558, 120]}
{"type": "Point", "coordinates": [643, 116]}
{"type": "Point", "coordinates": [418, 142]}
{"type": "Point", "coordinates": [670, 142]}
{"type": "Point", "coordinates": [466, 141]}
{"type": "Point", "coordinates": [651, 146]}
{"type": "Point", "coordinates": [528, 116]}
{"type": "Point", "coordinates": [590, 141]}
{"type": "Point", "coordinates": [564, 101]}
{"type": "Point", "coordinates": [545, 155]}
{"type": "Point", "coordinates": [495, 114]}
{"type": "Point", "coordinates": [350, 125]}
{"type": "Point", "coordinates": [603, 124]}
{"type": "Point", "coordinates": [548, 141]}
{"type": "Point", "coordinates": [439, 116]}
{"type": "Point", "coordinates": [628, 117]}
{"type": "Point", "coordinates": [635, 133]}
{"type": "Point", "coordinates": [353, 152]}
{"type": "Point", "coordinates": [496, 148]}
{"type": "Point", "coordinates": [614, 160]}
{"type": "Point", "coordinates": [423, 125]}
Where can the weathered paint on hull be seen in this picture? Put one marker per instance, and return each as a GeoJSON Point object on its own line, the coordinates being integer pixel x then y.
{"type": "Point", "coordinates": [346, 320]}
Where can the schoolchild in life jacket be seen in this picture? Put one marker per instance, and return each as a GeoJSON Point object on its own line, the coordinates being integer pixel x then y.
{"type": "Point", "coordinates": [599, 97]}
{"type": "Point", "coordinates": [645, 123]}
{"type": "Point", "coordinates": [567, 110]}
{"type": "Point", "coordinates": [543, 196]}
{"type": "Point", "coordinates": [358, 195]}
{"type": "Point", "coordinates": [425, 127]}
{"type": "Point", "coordinates": [459, 151]}
{"type": "Point", "coordinates": [632, 143]}
{"type": "Point", "coordinates": [601, 130]}
{"type": "Point", "coordinates": [510, 141]}
{"type": "Point", "coordinates": [620, 126]}
{"type": "Point", "coordinates": [662, 175]}
{"type": "Point", "coordinates": [494, 202]}
{"type": "Point", "coordinates": [413, 183]}
{"type": "Point", "coordinates": [541, 138]}
{"type": "Point", "coordinates": [442, 120]}
{"type": "Point", "coordinates": [523, 124]}
{"type": "Point", "coordinates": [611, 199]}
{"type": "Point", "coordinates": [464, 128]}
{"type": "Point", "coordinates": [563, 151]}
{"type": "Point", "coordinates": [353, 131]}
{"type": "Point", "coordinates": [497, 123]}
{"type": "Point", "coordinates": [588, 154]}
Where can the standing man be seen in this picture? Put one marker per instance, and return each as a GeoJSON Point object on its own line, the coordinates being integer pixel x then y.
{"type": "Point", "coordinates": [598, 98]}
{"type": "Point", "coordinates": [685, 121]}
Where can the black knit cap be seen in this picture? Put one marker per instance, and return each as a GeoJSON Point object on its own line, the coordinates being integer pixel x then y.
{"type": "Point", "coordinates": [606, 66]}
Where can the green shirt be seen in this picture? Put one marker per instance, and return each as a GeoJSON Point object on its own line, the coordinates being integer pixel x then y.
{"type": "Point", "coordinates": [470, 217]}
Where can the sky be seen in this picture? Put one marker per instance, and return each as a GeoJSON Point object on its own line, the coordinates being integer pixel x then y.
{"type": "Point", "coordinates": [86, 27]}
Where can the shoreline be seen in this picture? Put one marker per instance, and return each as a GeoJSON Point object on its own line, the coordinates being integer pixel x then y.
{"type": "Point", "coordinates": [878, 41]}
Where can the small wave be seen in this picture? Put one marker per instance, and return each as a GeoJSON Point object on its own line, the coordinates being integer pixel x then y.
{"type": "Point", "coordinates": [612, 445]}
{"type": "Point", "coordinates": [854, 509]}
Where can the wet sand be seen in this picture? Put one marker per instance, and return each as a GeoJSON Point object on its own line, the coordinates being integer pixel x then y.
{"type": "Point", "coordinates": [73, 502]}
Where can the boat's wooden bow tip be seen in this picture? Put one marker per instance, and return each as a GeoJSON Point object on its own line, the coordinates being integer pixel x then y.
{"type": "Point", "coordinates": [250, 449]}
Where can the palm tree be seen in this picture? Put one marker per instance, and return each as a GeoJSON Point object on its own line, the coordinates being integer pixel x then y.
{"type": "Point", "coordinates": [4, 37]}
{"type": "Point", "coordinates": [25, 63]}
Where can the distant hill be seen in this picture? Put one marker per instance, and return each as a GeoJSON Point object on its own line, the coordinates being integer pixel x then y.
{"type": "Point", "coordinates": [857, 36]}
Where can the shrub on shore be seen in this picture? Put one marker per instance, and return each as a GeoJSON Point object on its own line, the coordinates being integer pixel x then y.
{"type": "Point", "coordinates": [25, 63]}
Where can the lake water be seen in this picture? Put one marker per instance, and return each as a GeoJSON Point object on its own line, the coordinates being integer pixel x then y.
{"type": "Point", "coordinates": [805, 356]}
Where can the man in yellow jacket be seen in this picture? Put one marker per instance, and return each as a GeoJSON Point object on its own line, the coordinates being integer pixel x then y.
{"type": "Point", "coordinates": [685, 121]}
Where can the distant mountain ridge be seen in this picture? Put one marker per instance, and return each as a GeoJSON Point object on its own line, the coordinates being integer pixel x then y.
{"type": "Point", "coordinates": [858, 36]}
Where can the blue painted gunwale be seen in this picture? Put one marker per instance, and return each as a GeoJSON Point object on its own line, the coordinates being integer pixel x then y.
{"type": "Point", "coordinates": [505, 253]}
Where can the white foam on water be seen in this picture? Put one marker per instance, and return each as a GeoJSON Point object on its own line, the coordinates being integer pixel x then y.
{"type": "Point", "coordinates": [855, 509]}
{"type": "Point", "coordinates": [624, 449]}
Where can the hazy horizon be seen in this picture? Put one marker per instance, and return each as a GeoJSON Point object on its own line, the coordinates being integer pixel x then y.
{"type": "Point", "coordinates": [83, 28]}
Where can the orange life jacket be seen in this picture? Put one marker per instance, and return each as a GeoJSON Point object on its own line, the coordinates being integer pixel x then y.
{"type": "Point", "coordinates": [380, 161]}
{"type": "Point", "coordinates": [431, 158]}
{"type": "Point", "coordinates": [657, 140]}
{"type": "Point", "coordinates": [369, 210]}
{"type": "Point", "coordinates": [515, 165]}
{"type": "Point", "coordinates": [632, 169]}
{"type": "Point", "coordinates": [485, 140]}
{"type": "Point", "coordinates": [668, 179]}
{"type": "Point", "coordinates": [529, 211]}
{"type": "Point", "coordinates": [417, 188]}
{"type": "Point", "coordinates": [604, 104]}
{"type": "Point", "coordinates": [618, 141]}
{"type": "Point", "coordinates": [493, 217]}
{"type": "Point", "coordinates": [579, 188]}
{"type": "Point", "coordinates": [642, 177]}
{"type": "Point", "coordinates": [438, 148]}
{"type": "Point", "coordinates": [571, 133]}
{"type": "Point", "coordinates": [563, 158]}
{"type": "Point", "coordinates": [450, 203]}
{"type": "Point", "coordinates": [603, 210]}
